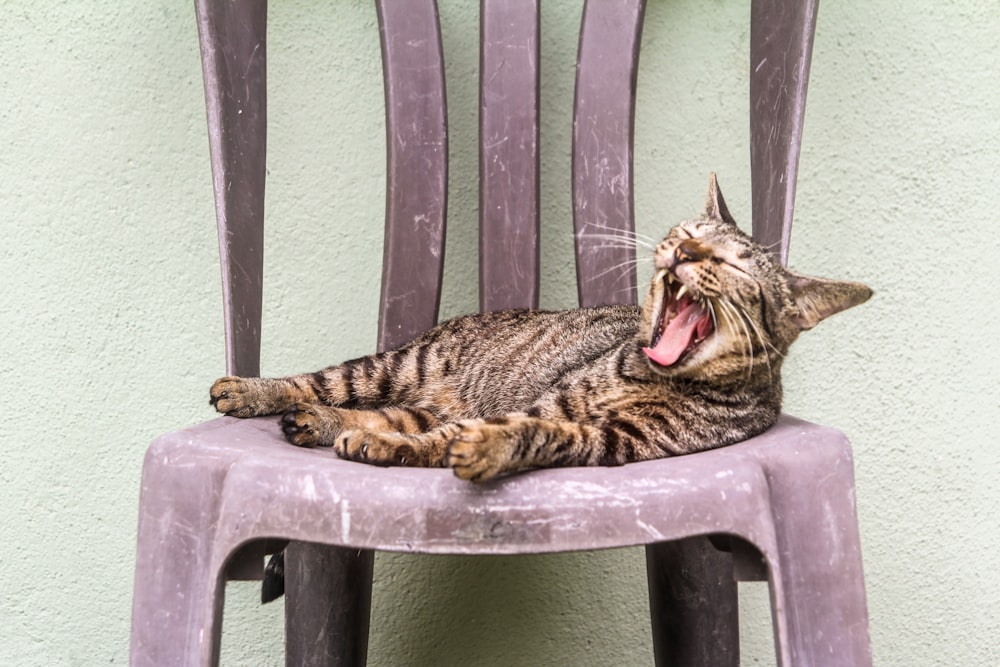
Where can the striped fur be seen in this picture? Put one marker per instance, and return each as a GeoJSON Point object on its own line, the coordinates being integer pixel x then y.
{"type": "Point", "coordinates": [496, 393]}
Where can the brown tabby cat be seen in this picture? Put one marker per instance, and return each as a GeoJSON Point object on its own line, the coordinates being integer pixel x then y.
{"type": "Point", "coordinates": [697, 367]}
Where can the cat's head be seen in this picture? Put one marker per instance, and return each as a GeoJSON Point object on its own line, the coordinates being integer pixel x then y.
{"type": "Point", "coordinates": [721, 306]}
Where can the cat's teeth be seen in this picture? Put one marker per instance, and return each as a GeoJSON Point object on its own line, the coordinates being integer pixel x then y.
{"type": "Point", "coordinates": [683, 289]}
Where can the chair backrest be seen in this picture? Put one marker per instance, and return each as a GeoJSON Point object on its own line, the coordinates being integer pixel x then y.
{"type": "Point", "coordinates": [233, 44]}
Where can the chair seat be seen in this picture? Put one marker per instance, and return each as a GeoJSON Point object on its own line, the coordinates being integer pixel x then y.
{"type": "Point", "coordinates": [212, 488]}
{"type": "Point", "coordinates": [270, 488]}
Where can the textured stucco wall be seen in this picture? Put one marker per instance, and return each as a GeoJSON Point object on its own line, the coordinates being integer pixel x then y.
{"type": "Point", "coordinates": [110, 326]}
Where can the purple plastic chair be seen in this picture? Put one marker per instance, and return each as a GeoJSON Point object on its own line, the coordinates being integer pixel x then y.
{"type": "Point", "coordinates": [218, 496]}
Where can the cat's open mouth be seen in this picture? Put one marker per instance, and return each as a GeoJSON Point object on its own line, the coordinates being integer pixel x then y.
{"type": "Point", "coordinates": [680, 322]}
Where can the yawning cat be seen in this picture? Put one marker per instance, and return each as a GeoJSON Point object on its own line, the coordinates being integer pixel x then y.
{"type": "Point", "coordinates": [697, 367]}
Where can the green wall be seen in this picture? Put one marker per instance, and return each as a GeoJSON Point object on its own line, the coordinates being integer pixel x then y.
{"type": "Point", "coordinates": [110, 325]}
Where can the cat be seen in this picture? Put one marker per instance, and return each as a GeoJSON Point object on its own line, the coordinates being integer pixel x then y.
{"type": "Point", "coordinates": [698, 366]}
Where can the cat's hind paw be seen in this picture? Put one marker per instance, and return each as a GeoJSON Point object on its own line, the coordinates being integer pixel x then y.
{"type": "Point", "coordinates": [310, 425]}
{"type": "Point", "coordinates": [381, 449]}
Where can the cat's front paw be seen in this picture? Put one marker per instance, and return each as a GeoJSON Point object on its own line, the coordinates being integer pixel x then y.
{"type": "Point", "coordinates": [234, 396]}
{"type": "Point", "coordinates": [479, 452]}
{"type": "Point", "coordinates": [381, 449]}
{"type": "Point", "coordinates": [311, 425]}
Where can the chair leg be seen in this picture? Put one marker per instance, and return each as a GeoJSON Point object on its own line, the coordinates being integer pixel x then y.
{"type": "Point", "coordinates": [693, 604]}
{"type": "Point", "coordinates": [818, 593]}
{"type": "Point", "coordinates": [178, 589]}
{"type": "Point", "coordinates": [327, 604]}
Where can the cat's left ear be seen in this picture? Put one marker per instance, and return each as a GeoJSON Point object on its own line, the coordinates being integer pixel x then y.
{"type": "Point", "coordinates": [817, 299]}
{"type": "Point", "coordinates": [715, 205]}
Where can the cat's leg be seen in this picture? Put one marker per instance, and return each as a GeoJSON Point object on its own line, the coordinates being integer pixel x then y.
{"type": "Point", "coordinates": [253, 397]}
{"type": "Point", "coordinates": [316, 425]}
{"type": "Point", "coordinates": [485, 449]}
{"type": "Point", "coordinates": [427, 450]}
{"type": "Point", "coordinates": [371, 381]}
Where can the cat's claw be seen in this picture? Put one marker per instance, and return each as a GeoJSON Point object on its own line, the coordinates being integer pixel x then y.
{"type": "Point", "coordinates": [352, 445]}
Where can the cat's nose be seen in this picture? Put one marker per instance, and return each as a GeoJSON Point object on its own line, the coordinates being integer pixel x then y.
{"type": "Point", "coordinates": [690, 250]}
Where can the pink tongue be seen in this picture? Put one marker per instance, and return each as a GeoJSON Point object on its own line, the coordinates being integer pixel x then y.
{"type": "Point", "coordinates": [678, 335]}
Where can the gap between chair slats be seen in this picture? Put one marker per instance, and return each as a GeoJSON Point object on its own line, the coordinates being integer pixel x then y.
{"type": "Point", "coordinates": [603, 119]}
{"type": "Point", "coordinates": [416, 172]}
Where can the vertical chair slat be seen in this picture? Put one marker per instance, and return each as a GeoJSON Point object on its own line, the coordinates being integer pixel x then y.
{"type": "Point", "coordinates": [607, 66]}
{"type": "Point", "coordinates": [416, 174]}
{"type": "Point", "coordinates": [781, 39]}
{"type": "Point", "coordinates": [232, 36]}
{"type": "Point", "coordinates": [508, 154]}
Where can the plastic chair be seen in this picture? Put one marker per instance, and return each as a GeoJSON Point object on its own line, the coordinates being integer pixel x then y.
{"type": "Point", "coordinates": [217, 496]}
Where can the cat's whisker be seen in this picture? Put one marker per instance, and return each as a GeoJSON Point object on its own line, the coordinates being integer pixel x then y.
{"type": "Point", "coordinates": [603, 236]}
{"type": "Point", "coordinates": [634, 238]}
{"type": "Point", "coordinates": [645, 237]}
{"type": "Point", "coordinates": [617, 243]}
{"type": "Point", "coordinates": [737, 316]}
{"type": "Point", "coordinates": [763, 339]}
{"type": "Point", "coordinates": [622, 267]}
{"type": "Point", "coordinates": [711, 311]}
{"type": "Point", "coordinates": [769, 246]}
{"type": "Point", "coordinates": [724, 310]}
{"type": "Point", "coordinates": [619, 230]}
{"type": "Point", "coordinates": [727, 313]}
{"type": "Point", "coordinates": [760, 337]}
{"type": "Point", "coordinates": [766, 344]}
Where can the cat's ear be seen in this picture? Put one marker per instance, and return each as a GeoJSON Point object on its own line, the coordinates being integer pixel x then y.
{"type": "Point", "coordinates": [715, 205]}
{"type": "Point", "coordinates": [817, 299]}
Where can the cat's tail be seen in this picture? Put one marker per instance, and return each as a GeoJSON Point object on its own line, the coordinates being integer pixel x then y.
{"type": "Point", "coordinates": [273, 586]}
